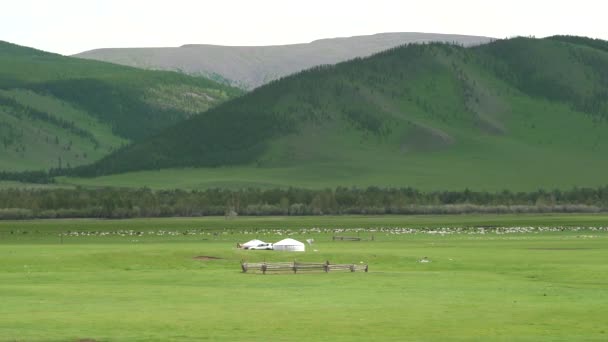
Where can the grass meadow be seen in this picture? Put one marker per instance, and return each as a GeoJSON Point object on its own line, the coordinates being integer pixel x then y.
{"type": "Point", "coordinates": [139, 280]}
{"type": "Point", "coordinates": [437, 171]}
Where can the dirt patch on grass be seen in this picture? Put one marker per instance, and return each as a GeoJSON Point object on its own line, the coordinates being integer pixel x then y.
{"type": "Point", "coordinates": [206, 257]}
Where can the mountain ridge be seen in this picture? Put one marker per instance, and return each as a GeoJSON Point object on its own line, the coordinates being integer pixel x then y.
{"type": "Point", "coordinates": [252, 66]}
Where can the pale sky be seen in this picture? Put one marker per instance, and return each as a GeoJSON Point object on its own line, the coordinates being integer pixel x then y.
{"type": "Point", "coordinates": [72, 26]}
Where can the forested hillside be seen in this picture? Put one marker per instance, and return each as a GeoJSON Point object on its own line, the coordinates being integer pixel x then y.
{"type": "Point", "coordinates": [60, 112]}
{"type": "Point", "coordinates": [412, 115]}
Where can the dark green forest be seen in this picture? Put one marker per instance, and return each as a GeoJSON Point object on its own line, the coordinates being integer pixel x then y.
{"type": "Point", "coordinates": [122, 203]}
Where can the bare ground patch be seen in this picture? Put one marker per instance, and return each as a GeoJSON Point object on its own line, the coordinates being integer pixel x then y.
{"type": "Point", "coordinates": [559, 248]}
{"type": "Point", "coordinates": [425, 138]}
{"type": "Point", "coordinates": [206, 257]}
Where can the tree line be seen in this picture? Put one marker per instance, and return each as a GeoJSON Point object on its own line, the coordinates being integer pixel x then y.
{"type": "Point", "coordinates": [128, 203]}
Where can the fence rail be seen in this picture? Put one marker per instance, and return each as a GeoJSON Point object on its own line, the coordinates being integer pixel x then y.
{"type": "Point", "coordinates": [296, 267]}
{"type": "Point", "coordinates": [350, 238]}
{"type": "Point", "coordinates": [346, 238]}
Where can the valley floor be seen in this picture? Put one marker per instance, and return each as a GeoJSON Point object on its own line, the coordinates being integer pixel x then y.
{"type": "Point", "coordinates": [140, 280]}
{"type": "Point", "coordinates": [427, 173]}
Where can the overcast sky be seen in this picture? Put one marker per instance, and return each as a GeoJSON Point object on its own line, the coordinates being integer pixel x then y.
{"type": "Point", "coordinates": [72, 26]}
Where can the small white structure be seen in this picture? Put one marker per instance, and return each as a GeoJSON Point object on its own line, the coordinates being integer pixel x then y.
{"type": "Point", "coordinates": [252, 243]}
{"type": "Point", "coordinates": [289, 245]}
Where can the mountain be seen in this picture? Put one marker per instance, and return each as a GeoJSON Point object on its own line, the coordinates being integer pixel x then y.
{"type": "Point", "coordinates": [251, 66]}
{"type": "Point", "coordinates": [58, 111]}
{"type": "Point", "coordinates": [518, 114]}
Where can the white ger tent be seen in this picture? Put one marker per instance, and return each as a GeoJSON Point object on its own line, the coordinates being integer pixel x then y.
{"type": "Point", "coordinates": [252, 243]}
{"type": "Point", "coordinates": [289, 245]}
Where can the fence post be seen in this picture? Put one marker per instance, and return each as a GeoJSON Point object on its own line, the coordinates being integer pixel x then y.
{"type": "Point", "coordinates": [295, 267]}
{"type": "Point", "coordinates": [264, 268]}
{"type": "Point", "coordinates": [326, 266]}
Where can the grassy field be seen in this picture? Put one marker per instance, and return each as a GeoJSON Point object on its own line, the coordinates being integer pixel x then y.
{"type": "Point", "coordinates": [138, 280]}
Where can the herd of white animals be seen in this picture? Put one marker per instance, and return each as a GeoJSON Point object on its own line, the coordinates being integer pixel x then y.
{"type": "Point", "coordinates": [286, 245]}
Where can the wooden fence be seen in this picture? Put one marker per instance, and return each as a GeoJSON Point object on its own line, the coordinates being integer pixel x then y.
{"type": "Point", "coordinates": [346, 238]}
{"type": "Point", "coordinates": [349, 238]}
{"type": "Point", "coordinates": [296, 267]}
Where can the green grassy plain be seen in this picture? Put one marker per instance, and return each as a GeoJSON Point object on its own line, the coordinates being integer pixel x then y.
{"type": "Point", "coordinates": [104, 282]}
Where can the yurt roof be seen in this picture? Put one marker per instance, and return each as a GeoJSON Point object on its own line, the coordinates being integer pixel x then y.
{"type": "Point", "coordinates": [289, 242]}
{"type": "Point", "coordinates": [253, 242]}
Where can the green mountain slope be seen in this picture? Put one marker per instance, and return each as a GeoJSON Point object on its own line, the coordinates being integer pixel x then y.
{"type": "Point", "coordinates": [60, 111]}
{"type": "Point", "coordinates": [517, 113]}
